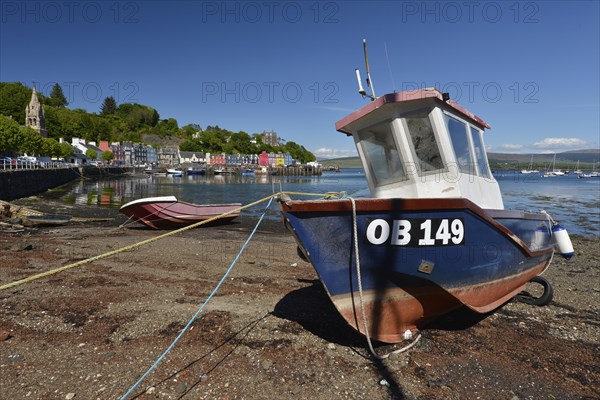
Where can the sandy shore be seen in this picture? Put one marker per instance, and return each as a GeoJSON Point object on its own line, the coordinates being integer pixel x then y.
{"type": "Point", "coordinates": [270, 332]}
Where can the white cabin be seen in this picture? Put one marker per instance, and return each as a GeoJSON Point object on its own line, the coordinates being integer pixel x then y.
{"type": "Point", "coordinates": [420, 144]}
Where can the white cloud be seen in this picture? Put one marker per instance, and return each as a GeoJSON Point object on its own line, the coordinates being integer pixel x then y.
{"type": "Point", "coordinates": [559, 143]}
{"type": "Point", "coordinates": [325, 152]}
{"type": "Point", "coordinates": [511, 147]}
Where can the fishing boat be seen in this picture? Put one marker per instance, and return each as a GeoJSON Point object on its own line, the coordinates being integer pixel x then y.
{"type": "Point", "coordinates": [222, 171]}
{"type": "Point", "coordinates": [174, 172]}
{"type": "Point", "coordinates": [434, 235]}
{"type": "Point", "coordinates": [195, 171]}
{"type": "Point", "coordinates": [530, 170]}
{"type": "Point", "coordinates": [167, 212]}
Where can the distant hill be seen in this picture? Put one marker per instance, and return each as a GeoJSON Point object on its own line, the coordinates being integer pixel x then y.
{"type": "Point", "coordinates": [564, 160]}
{"type": "Point", "coordinates": [343, 162]}
{"type": "Point", "coordinates": [567, 159]}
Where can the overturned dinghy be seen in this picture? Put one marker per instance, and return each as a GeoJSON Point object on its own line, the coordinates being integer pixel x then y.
{"type": "Point", "coordinates": [434, 236]}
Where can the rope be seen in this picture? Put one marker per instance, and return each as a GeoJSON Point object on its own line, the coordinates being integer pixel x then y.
{"type": "Point", "coordinates": [147, 241]}
{"type": "Point", "coordinates": [360, 293]}
{"type": "Point", "coordinates": [132, 388]}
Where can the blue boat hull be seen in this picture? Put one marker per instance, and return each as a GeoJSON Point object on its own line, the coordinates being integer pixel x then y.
{"type": "Point", "coordinates": [418, 259]}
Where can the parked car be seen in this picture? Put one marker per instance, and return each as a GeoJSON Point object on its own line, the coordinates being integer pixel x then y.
{"type": "Point", "coordinates": [7, 163]}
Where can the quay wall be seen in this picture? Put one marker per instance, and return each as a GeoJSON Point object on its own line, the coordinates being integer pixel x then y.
{"type": "Point", "coordinates": [277, 171]}
{"type": "Point", "coordinates": [15, 184]}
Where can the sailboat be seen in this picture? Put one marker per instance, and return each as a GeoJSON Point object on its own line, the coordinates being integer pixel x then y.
{"type": "Point", "coordinates": [554, 171]}
{"type": "Point", "coordinates": [577, 170]}
{"type": "Point", "coordinates": [530, 170]}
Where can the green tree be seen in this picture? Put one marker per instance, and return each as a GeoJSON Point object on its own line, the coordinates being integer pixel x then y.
{"type": "Point", "coordinates": [14, 98]}
{"type": "Point", "coordinates": [49, 147]}
{"type": "Point", "coordinates": [191, 145]}
{"type": "Point", "coordinates": [30, 141]}
{"type": "Point", "coordinates": [9, 134]}
{"type": "Point", "coordinates": [57, 97]}
{"type": "Point", "coordinates": [109, 106]}
{"type": "Point", "coordinates": [65, 150]}
{"type": "Point", "coordinates": [107, 155]}
{"type": "Point", "coordinates": [90, 153]}
{"type": "Point", "coordinates": [188, 131]}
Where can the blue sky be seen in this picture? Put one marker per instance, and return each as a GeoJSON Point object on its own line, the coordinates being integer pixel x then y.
{"type": "Point", "coordinates": [529, 69]}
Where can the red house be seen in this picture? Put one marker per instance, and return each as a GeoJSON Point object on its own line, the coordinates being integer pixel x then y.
{"type": "Point", "coordinates": [218, 159]}
{"type": "Point", "coordinates": [263, 159]}
{"type": "Point", "coordinates": [104, 146]}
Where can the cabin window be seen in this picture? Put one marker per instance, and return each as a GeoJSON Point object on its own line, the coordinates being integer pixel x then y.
{"type": "Point", "coordinates": [382, 154]}
{"type": "Point", "coordinates": [480, 156]}
{"type": "Point", "coordinates": [460, 144]}
{"type": "Point", "coordinates": [425, 147]}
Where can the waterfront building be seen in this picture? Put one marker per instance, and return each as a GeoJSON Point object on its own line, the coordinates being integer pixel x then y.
{"type": "Point", "coordinates": [234, 159]}
{"type": "Point", "coordinates": [82, 146]}
{"type": "Point", "coordinates": [218, 159]}
{"type": "Point", "coordinates": [279, 160]}
{"type": "Point", "coordinates": [168, 155]}
{"type": "Point", "coordinates": [187, 157]}
{"type": "Point", "coordinates": [140, 154]}
{"type": "Point", "coordinates": [152, 155]}
{"type": "Point", "coordinates": [270, 138]}
{"type": "Point", "coordinates": [35, 116]}
{"type": "Point", "coordinates": [249, 159]}
{"type": "Point", "coordinates": [127, 148]}
{"type": "Point", "coordinates": [263, 159]}
{"type": "Point", "coordinates": [104, 146]}
{"type": "Point", "coordinates": [118, 154]}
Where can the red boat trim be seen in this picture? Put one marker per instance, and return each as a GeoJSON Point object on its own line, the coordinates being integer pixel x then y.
{"type": "Point", "coordinates": [412, 95]}
{"type": "Point", "coordinates": [422, 205]}
{"type": "Point", "coordinates": [393, 311]}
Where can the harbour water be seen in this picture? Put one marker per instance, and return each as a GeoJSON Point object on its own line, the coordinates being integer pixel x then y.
{"type": "Point", "coordinates": [574, 202]}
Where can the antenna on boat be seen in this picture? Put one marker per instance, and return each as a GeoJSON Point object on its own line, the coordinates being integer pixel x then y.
{"type": "Point", "coordinates": [361, 90]}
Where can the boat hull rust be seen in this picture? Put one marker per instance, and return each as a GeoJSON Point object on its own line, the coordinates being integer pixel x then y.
{"type": "Point", "coordinates": [406, 286]}
{"type": "Point", "coordinates": [169, 213]}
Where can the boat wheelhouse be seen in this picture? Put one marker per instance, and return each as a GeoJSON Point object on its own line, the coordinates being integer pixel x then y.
{"type": "Point", "coordinates": [419, 144]}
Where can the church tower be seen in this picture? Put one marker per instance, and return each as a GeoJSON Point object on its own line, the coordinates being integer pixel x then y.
{"type": "Point", "coordinates": [34, 115]}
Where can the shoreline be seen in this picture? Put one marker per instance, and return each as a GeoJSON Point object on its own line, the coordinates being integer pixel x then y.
{"type": "Point", "coordinates": [270, 331]}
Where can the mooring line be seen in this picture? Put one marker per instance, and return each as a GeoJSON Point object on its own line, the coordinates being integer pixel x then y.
{"type": "Point", "coordinates": [135, 385]}
{"type": "Point", "coordinates": [360, 292]}
{"type": "Point", "coordinates": [147, 241]}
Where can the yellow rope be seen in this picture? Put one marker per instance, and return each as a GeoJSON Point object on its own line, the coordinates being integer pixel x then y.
{"type": "Point", "coordinates": [144, 242]}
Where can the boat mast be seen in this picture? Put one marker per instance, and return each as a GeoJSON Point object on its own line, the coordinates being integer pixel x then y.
{"type": "Point", "coordinates": [361, 90]}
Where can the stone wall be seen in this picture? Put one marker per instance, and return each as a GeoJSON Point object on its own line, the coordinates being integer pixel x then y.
{"type": "Point", "coordinates": [22, 183]}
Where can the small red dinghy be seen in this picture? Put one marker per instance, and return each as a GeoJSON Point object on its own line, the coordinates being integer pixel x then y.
{"type": "Point", "coordinates": [168, 213]}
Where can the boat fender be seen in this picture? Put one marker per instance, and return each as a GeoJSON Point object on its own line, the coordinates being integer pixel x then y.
{"type": "Point", "coordinates": [562, 241]}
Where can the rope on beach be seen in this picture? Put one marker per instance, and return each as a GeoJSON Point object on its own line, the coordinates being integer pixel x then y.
{"type": "Point", "coordinates": [360, 293]}
{"type": "Point", "coordinates": [147, 241]}
{"type": "Point", "coordinates": [132, 388]}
